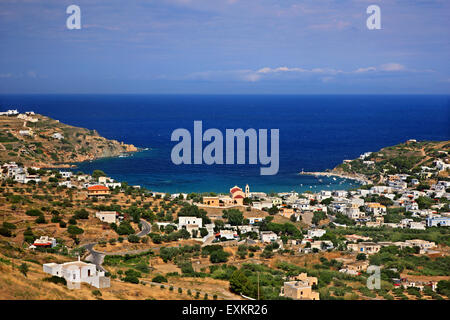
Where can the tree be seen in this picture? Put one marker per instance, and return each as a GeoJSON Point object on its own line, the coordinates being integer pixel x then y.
{"type": "Point", "coordinates": [218, 256]}
{"type": "Point", "coordinates": [235, 217]}
{"type": "Point", "coordinates": [327, 201]}
{"type": "Point", "coordinates": [81, 214]}
{"type": "Point", "coordinates": [133, 238]}
{"type": "Point", "coordinates": [98, 173]}
{"type": "Point", "coordinates": [74, 230]}
{"type": "Point", "coordinates": [34, 212]}
{"type": "Point", "coordinates": [203, 232]}
{"type": "Point", "coordinates": [40, 219]}
{"type": "Point", "coordinates": [125, 228]}
{"type": "Point", "coordinates": [272, 211]}
{"type": "Point", "coordinates": [5, 232]}
{"type": "Point", "coordinates": [23, 268]}
{"type": "Point", "coordinates": [361, 257]}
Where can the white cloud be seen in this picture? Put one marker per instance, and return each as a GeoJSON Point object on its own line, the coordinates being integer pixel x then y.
{"type": "Point", "coordinates": [368, 69]}
{"type": "Point", "coordinates": [392, 67]}
{"type": "Point", "coordinates": [284, 72]}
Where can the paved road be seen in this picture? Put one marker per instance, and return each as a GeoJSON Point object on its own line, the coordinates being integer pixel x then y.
{"type": "Point", "coordinates": [94, 256]}
{"type": "Point", "coordinates": [146, 228]}
{"type": "Point", "coordinates": [97, 257]}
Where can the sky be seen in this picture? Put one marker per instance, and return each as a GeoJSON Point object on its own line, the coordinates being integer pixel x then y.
{"type": "Point", "coordinates": [225, 47]}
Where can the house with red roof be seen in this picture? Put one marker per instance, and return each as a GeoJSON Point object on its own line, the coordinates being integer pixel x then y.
{"type": "Point", "coordinates": [98, 191]}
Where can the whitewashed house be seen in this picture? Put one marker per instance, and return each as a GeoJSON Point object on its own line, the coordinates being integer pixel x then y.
{"type": "Point", "coordinates": [78, 272]}
{"type": "Point", "coordinates": [268, 236]}
{"type": "Point", "coordinates": [107, 216]}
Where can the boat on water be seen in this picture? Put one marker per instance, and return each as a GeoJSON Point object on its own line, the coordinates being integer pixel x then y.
{"type": "Point", "coordinates": [124, 155]}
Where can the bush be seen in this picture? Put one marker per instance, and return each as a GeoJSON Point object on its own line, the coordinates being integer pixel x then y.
{"type": "Point", "coordinates": [96, 293]}
{"type": "Point", "coordinates": [131, 279]}
{"type": "Point", "coordinates": [40, 219]}
{"type": "Point", "coordinates": [133, 238]}
{"type": "Point", "coordinates": [81, 214]}
{"type": "Point", "coordinates": [62, 224]}
{"type": "Point", "coordinates": [74, 230]}
{"type": "Point", "coordinates": [219, 256]}
{"type": "Point", "coordinates": [9, 225]}
{"type": "Point", "coordinates": [23, 268]}
{"type": "Point", "coordinates": [361, 257]}
{"type": "Point", "coordinates": [159, 279]}
{"type": "Point", "coordinates": [5, 232]}
{"type": "Point", "coordinates": [56, 280]}
{"type": "Point", "coordinates": [33, 212]}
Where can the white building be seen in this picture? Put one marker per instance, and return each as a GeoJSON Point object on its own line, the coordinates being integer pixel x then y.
{"type": "Point", "coordinates": [66, 174]}
{"type": "Point", "coordinates": [9, 113]}
{"type": "Point", "coordinates": [25, 133]}
{"type": "Point", "coordinates": [316, 233]}
{"type": "Point", "coordinates": [107, 216]}
{"type": "Point", "coordinates": [77, 272]}
{"type": "Point", "coordinates": [268, 236]}
{"type": "Point", "coordinates": [184, 221]}
{"type": "Point", "coordinates": [438, 222]}
{"type": "Point", "coordinates": [253, 220]}
{"type": "Point", "coordinates": [44, 241]}
{"type": "Point", "coordinates": [57, 136]}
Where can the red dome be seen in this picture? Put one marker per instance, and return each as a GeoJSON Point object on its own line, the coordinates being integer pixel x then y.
{"type": "Point", "coordinates": [235, 189]}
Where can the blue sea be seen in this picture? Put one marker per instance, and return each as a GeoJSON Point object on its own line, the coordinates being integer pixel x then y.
{"type": "Point", "coordinates": [316, 133]}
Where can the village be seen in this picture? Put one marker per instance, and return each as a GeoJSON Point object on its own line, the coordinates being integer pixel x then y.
{"type": "Point", "coordinates": [251, 231]}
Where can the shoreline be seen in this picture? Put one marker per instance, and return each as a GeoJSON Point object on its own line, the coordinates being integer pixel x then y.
{"type": "Point", "coordinates": [357, 177]}
{"type": "Point", "coordinates": [74, 165]}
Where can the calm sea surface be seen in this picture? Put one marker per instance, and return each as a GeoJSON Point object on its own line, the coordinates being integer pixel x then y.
{"type": "Point", "coordinates": [316, 133]}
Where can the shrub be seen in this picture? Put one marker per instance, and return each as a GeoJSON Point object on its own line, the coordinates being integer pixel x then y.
{"type": "Point", "coordinates": [23, 268]}
{"type": "Point", "coordinates": [133, 238]}
{"type": "Point", "coordinates": [96, 293]}
{"type": "Point", "coordinates": [159, 279]}
{"type": "Point", "coordinates": [9, 225]}
{"type": "Point", "coordinates": [5, 232]}
{"type": "Point", "coordinates": [74, 230]}
{"type": "Point", "coordinates": [40, 219]}
{"type": "Point", "coordinates": [56, 280]}
{"type": "Point", "coordinates": [33, 212]}
{"type": "Point", "coordinates": [131, 279]}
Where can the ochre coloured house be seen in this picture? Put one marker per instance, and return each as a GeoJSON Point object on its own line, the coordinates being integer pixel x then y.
{"type": "Point", "coordinates": [98, 191]}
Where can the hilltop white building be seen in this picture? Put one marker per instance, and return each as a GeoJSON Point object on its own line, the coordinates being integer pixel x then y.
{"type": "Point", "coordinates": [77, 272]}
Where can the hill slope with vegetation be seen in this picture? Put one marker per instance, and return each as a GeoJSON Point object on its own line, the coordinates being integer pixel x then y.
{"type": "Point", "coordinates": [404, 158]}
{"type": "Point", "coordinates": [35, 144]}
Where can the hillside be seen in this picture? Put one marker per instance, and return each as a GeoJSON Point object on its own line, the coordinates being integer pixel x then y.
{"type": "Point", "coordinates": [37, 140]}
{"type": "Point", "coordinates": [407, 158]}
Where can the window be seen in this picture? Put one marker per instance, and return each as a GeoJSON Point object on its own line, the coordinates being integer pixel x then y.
{"type": "Point", "coordinates": [74, 276]}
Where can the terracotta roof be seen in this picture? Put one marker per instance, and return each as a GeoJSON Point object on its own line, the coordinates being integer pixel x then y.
{"type": "Point", "coordinates": [98, 187]}
{"type": "Point", "coordinates": [235, 189]}
{"type": "Point", "coordinates": [238, 197]}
